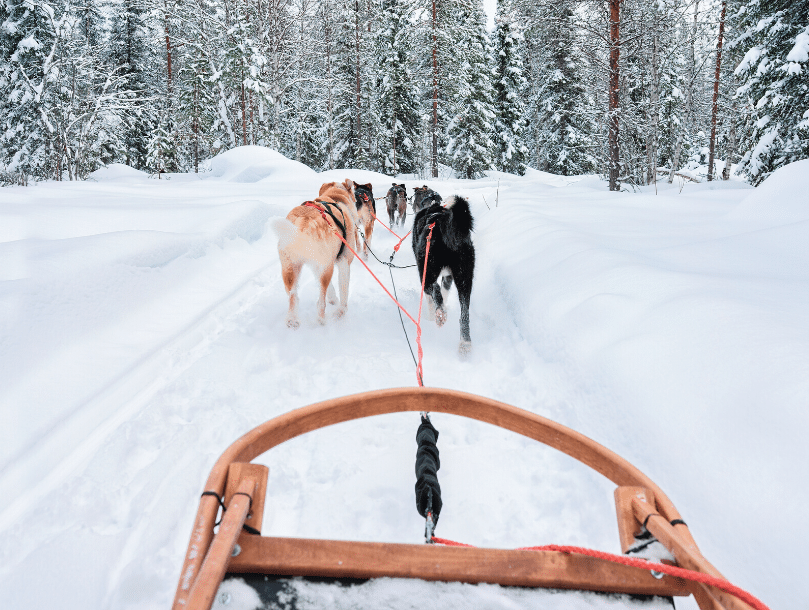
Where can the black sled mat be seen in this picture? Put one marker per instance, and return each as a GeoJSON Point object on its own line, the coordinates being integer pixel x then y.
{"type": "Point", "coordinates": [260, 592]}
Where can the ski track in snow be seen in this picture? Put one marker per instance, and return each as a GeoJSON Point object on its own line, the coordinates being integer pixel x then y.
{"type": "Point", "coordinates": [117, 475]}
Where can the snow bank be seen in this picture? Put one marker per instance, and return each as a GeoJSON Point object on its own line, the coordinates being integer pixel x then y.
{"type": "Point", "coordinates": [781, 199]}
{"type": "Point", "coordinates": [255, 164]}
{"type": "Point", "coordinates": [120, 173]}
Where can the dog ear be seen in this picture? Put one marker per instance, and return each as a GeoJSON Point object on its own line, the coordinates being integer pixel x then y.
{"type": "Point", "coordinates": [349, 184]}
{"type": "Point", "coordinates": [369, 186]}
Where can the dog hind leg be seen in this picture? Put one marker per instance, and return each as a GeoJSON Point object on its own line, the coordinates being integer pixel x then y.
{"type": "Point", "coordinates": [369, 232]}
{"type": "Point", "coordinates": [344, 270]}
{"type": "Point", "coordinates": [325, 283]}
{"type": "Point", "coordinates": [464, 296]}
{"type": "Point", "coordinates": [291, 272]}
{"type": "Point", "coordinates": [438, 299]}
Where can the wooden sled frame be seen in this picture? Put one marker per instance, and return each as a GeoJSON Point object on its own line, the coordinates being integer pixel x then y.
{"type": "Point", "coordinates": [243, 486]}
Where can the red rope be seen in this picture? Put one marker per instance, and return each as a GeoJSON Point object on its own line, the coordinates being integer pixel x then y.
{"type": "Point", "coordinates": [312, 204]}
{"type": "Point", "coordinates": [636, 562]}
{"type": "Point", "coordinates": [401, 239]}
{"type": "Point", "coordinates": [421, 300]}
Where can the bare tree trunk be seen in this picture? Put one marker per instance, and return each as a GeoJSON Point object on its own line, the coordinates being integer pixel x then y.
{"type": "Point", "coordinates": [614, 85]}
{"type": "Point", "coordinates": [244, 115]}
{"type": "Point", "coordinates": [359, 88]}
{"type": "Point", "coordinates": [195, 125]}
{"type": "Point", "coordinates": [675, 160]}
{"type": "Point", "coordinates": [731, 150]}
{"type": "Point", "coordinates": [168, 46]}
{"type": "Point", "coordinates": [689, 97]}
{"type": "Point", "coordinates": [434, 125]}
{"type": "Point", "coordinates": [651, 145]}
{"type": "Point", "coordinates": [394, 143]}
{"type": "Point", "coordinates": [330, 102]}
{"type": "Point", "coordinates": [716, 90]}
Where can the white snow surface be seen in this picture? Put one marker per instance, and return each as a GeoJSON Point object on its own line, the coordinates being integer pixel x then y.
{"type": "Point", "coordinates": [142, 331]}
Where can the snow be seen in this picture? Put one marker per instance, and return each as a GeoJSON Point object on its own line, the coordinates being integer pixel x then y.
{"type": "Point", "coordinates": [142, 331]}
{"type": "Point", "coordinates": [800, 52]}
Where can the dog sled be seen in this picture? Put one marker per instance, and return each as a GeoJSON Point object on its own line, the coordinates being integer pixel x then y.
{"type": "Point", "coordinates": [230, 564]}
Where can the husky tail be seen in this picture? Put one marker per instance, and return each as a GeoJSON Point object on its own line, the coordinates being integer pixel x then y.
{"type": "Point", "coordinates": [286, 231]}
{"type": "Point", "coordinates": [457, 222]}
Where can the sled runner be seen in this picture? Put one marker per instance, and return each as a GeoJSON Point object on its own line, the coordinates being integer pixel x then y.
{"type": "Point", "coordinates": [278, 569]}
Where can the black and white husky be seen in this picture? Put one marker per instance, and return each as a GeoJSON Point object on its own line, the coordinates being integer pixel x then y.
{"type": "Point", "coordinates": [452, 257]}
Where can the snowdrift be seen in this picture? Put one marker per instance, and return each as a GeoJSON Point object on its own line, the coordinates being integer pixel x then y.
{"type": "Point", "coordinates": [248, 164]}
{"type": "Point", "coordinates": [143, 331]}
{"type": "Point", "coordinates": [782, 198]}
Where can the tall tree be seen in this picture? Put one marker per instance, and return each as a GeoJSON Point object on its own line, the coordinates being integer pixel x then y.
{"type": "Point", "coordinates": [130, 55]}
{"type": "Point", "coordinates": [775, 81]}
{"type": "Point", "coordinates": [397, 91]}
{"type": "Point", "coordinates": [562, 110]}
{"type": "Point", "coordinates": [509, 88]}
{"type": "Point", "coordinates": [470, 146]}
{"type": "Point", "coordinates": [33, 37]}
{"type": "Point", "coordinates": [718, 73]}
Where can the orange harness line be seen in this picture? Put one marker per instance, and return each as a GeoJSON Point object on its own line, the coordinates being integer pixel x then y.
{"type": "Point", "coordinates": [399, 305]}
{"type": "Point", "coordinates": [636, 562]}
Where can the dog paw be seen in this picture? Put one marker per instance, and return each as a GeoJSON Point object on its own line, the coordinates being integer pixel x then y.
{"type": "Point", "coordinates": [293, 323]}
{"type": "Point", "coordinates": [440, 316]}
{"type": "Point", "coordinates": [465, 348]}
{"type": "Point", "coordinates": [340, 312]}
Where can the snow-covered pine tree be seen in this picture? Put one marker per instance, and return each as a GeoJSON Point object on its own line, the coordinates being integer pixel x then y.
{"type": "Point", "coordinates": [196, 106]}
{"type": "Point", "coordinates": [237, 62]}
{"type": "Point", "coordinates": [163, 147]}
{"type": "Point", "coordinates": [304, 103]}
{"type": "Point", "coordinates": [775, 80]}
{"type": "Point", "coordinates": [351, 77]}
{"type": "Point", "coordinates": [436, 68]}
{"type": "Point", "coordinates": [91, 105]}
{"type": "Point", "coordinates": [31, 37]}
{"type": "Point", "coordinates": [470, 145]}
{"type": "Point", "coordinates": [131, 57]}
{"type": "Point", "coordinates": [509, 86]}
{"type": "Point", "coordinates": [397, 91]}
{"type": "Point", "coordinates": [563, 129]}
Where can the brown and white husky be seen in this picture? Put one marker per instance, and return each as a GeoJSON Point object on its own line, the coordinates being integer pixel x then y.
{"type": "Point", "coordinates": [307, 237]}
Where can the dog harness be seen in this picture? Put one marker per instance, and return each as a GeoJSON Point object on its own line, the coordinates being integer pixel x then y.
{"type": "Point", "coordinates": [366, 198]}
{"type": "Point", "coordinates": [327, 205]}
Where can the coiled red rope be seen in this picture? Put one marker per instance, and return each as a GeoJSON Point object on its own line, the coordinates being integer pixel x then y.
{"type": "Point", "coordinates": [636, 562]}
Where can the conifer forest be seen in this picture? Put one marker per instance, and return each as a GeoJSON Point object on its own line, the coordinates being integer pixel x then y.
{"type": "Point", "coordinates": [634, 90]}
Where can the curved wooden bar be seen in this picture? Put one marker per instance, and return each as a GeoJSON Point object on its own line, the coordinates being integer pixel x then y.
{"type": "Point", "coordinates": [381, 402]}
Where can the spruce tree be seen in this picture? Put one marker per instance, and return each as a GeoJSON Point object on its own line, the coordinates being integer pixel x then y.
{"type": "Point", "coordinates": [131, 57]}
{"type": "Point", "coordinates": [562, 125]}
{"type": "Point", "coordinates": [470, 146]}
{"type": "Point", "coordinates": [509, 86]}
{"type": "Point", "coordinates": [196, 106]}
{"type": "Point", "coordinates": [397, 92]}
{"type": "Point", "coordinates": [30, 37]}
{"type": "Point", "coordinates": [775, 82]}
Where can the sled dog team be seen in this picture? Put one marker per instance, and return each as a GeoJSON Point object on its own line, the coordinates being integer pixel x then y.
{"type": "Point", "coordinates": [315, 233]}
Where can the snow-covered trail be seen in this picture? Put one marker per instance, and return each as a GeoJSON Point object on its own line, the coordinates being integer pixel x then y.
{"type": "Point", "coordinates": [148, 334]}
{"type": "Point", "coordinates": [227, 365]}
